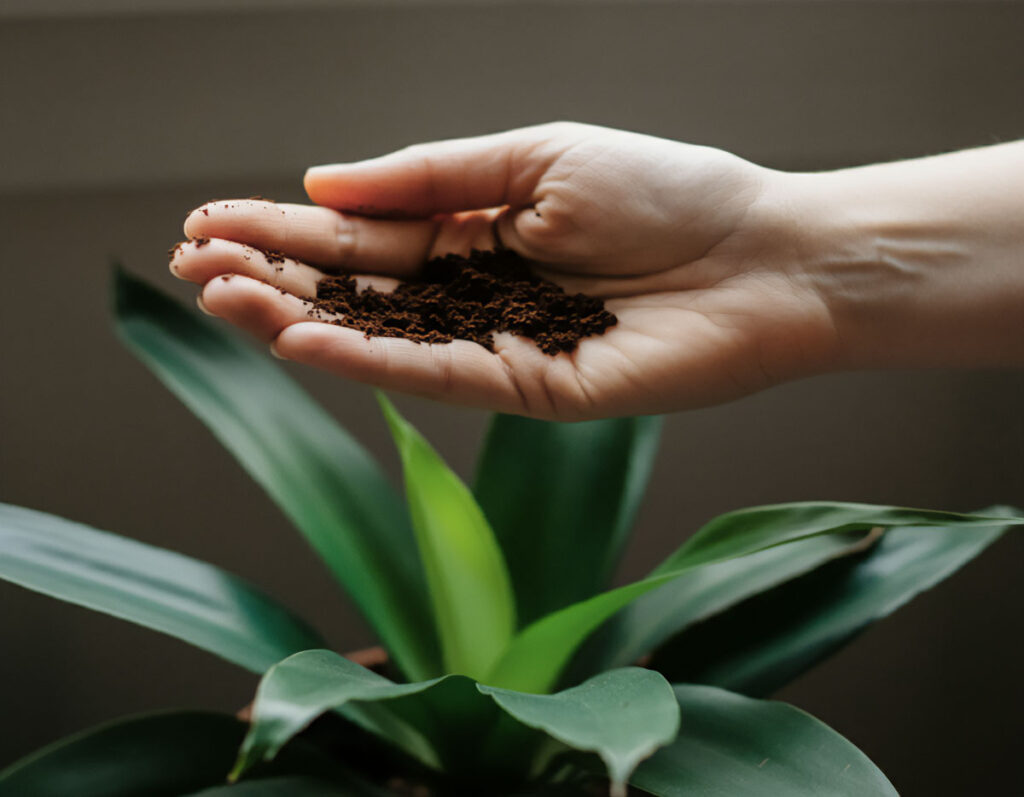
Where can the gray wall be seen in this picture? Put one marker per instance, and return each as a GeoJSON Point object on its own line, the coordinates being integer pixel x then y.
{"type": "Point", "coordinates": [114, 126]}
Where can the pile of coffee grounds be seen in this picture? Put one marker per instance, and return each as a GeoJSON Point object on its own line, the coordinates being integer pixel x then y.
{"type": "Point", "coordinates": [466, 298]}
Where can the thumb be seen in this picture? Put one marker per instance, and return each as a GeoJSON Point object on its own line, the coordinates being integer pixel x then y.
{"type": "Point", "coordinates": [445, 176]}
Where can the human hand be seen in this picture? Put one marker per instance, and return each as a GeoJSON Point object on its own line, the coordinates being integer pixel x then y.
{"type": "Point", "coordinates": [692, 248]}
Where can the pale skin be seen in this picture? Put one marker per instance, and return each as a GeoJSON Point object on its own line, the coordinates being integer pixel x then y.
{"type": "Point", "coordinates": [726, 277]}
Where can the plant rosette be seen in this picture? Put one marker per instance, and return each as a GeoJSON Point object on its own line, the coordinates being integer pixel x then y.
{"type": "Point", "coordinates": [511, 661]}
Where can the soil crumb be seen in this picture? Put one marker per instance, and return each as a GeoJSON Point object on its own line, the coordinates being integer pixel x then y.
{"type": "Point", "coordinates": [466, 298]}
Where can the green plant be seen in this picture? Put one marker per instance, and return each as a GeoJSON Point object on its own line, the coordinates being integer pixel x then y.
{"type": "Point", "coordinates": [511, 662]}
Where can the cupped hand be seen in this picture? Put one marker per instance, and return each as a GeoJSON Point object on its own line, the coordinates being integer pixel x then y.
{"type": "Point", "coordinates": [692, 248]}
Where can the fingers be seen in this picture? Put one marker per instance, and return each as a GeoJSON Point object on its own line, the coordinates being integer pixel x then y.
{"type": "Point", "coordinates": [202, 260]}
{"type": "Point", "coordinates": [445, 176]}
{"type": "Point", "coordinates": [459, 372]}
{"type": "Point", "coordinates": [318, 235]}
{"type": "Point", "coordinates": [260, 309]}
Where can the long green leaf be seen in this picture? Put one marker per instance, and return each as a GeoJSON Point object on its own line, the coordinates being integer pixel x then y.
{"type": "Point", "coordinates": [563, 492]}
{"type": "Point", "coordinates": [295, 786]}
{"type": "Point", "coordinates": [158, 755]}
{"type": "Point", "coordinates": [539, 653]}
{"type": "Point", "coordinates": [766, 642]}
{"type": "Point", "coordinates": [322, 479]}
{"type": "Point", "coordinates": [469, 584]}
{"type": "Point", "coordinates": [155, 755]}
{"type": "Point", "coordinates": [732, 745]}
{"type": "Point", "coordinates": [191, 600]}
{"type": "Point", "coordinates": [622, 715]}
{"type": "Point", "coordinates": [662, 613]}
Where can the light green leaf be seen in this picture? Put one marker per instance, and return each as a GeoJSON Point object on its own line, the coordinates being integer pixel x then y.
{"type": "Point", "coordinates": [622, 715]}
{"type": "Point", "coordinates": [563, 492]}
{"type": "Point", "coordinates": [322, 479]}
{"type": "Point", "coordinates": [469, 585]}
{"type": "Point", "coordinates": [191, 600]}
{"type": "Point", "coordinates": [662, 613]}
{"type": "Point", "coordinates": [299, 689]}
{"type": "Point", "coordinates": [539, 653]}
{"type": "Point", "coordinates": [766, 642]}
{"type": "Point", "coordinates": [734, 746]}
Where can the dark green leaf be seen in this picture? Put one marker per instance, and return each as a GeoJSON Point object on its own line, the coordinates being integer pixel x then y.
{"type": "Point", "coordinates": [294, 786]}
{"type": "Point", "coordinates": [655, 617]}
{"type": "Point", "coordinates": [622, 715]}
{"type": "Point", "coordinates": [150, 756]}
{"type": "Point", "coordinates": [734, 746]}
{"type": "Point", "coordinates": [155, 588]}
{"type": "Point", "coordinates": [322, 479]}
{"type": "Point", "coordinates": [563, 492]}
{"type": "Point", "coordinates": [538, 654]}
{"type": "Point", "coordinates": [469, 585]}
{"type": "Point", "coordinates": [170, 753]}
{"type": "Point", "coordinates": [764, 643]}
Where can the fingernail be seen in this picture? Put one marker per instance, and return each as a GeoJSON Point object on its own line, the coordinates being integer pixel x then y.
{"type": "Point", "coordinates": [202, 210]}
{"type": "Point", "coordinates": [275, 352]}
{"type": "Point", "coordinates": [202, 306]}
{"type": "Point", "coordinates": [172, 254]}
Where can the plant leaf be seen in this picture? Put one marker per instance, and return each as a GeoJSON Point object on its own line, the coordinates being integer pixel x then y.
{"type": "Point", "coordinates": [471, 732]}
{"type": "Point", "coordinates": [622, 715]}
{"type": "Point", "coordinates": [294, 786]}
{"type": "Point", "coordinates": [538, 654]}
{"type": "Point", "coordinates": [799, 623]}
{"type": "Point", "coordinates": [296, 691]}
{"type": "Point", "coordinates": [561, 492]}
{"type": "Point", "coordinates": [662, 613]}
{"type": "Point", "coordinates": [469, 584]}
{"type": "Point", "coordinates": [733, 745]}
{"type": "Point", "coordinates": [153, 755]}
{"type": "Point", "coordinates": [191, 600]}
{"type": "Point", "coordinates": [320, 477]}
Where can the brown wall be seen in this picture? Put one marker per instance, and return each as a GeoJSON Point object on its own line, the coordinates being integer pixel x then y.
{"type": "Point", "coordinates": [114, 127]}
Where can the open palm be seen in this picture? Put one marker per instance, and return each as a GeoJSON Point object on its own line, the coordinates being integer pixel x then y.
{"type": "Point", "coordinates": [679, 240]}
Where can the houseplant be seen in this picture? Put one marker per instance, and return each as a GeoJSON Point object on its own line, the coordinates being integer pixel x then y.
{"type": "Point", "coordinates": [511, 665]}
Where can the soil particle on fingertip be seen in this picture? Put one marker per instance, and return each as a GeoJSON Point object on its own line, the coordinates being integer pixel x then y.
{"type": "Point", "coordinates": [466, 298]}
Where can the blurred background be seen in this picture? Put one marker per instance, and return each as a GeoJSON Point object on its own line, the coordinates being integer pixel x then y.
{"type": "Point", "coordinates": [118, 117]}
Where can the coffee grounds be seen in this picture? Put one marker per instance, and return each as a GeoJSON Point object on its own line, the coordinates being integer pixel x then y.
{"type": "Point", "coordinates": [469, 298]}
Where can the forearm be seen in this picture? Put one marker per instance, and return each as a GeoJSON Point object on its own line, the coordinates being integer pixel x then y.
{"type": "Point", "coordinates": [921, 262]}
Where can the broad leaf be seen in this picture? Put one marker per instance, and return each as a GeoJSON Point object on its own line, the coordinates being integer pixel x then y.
{"type": "Point", "coordinates": [538, 654]}
{"type": "Point", "coordinates": [563, 492]}
{"type": "Point", "coordinates": [472, 732]}
{"type": "Point", "coordinates": [293, 786]}
{"type": "Point", "coordinates": [164, 754]}
{"type": "Point", "coordinates": [736, 746]}
{"type": "Point", "coordinates": [191, 600]}
{"type": "Point", "coordinates": [653, 618]}
{"type": "Point", "coordinates": [322, 479]}
{"type": "Point", "coordinates": [299, 689]}
{"type": "Point", "coordinates": [622, 715]}
{"type": "Point", "coordinates": [469, 585]}
{"type": "Point", "coordinates": [766, 642]}
{"type": "Point", "coordinates": [153, 755]}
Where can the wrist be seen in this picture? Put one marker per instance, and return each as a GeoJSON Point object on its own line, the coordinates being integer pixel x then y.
{"type": "Point", "coordinates": [913, 270]}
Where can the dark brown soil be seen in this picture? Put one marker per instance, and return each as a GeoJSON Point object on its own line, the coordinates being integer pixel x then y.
{"type": "Point", "coordinates": [466, 298]}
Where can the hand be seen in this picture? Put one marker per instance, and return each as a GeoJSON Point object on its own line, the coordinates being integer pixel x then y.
{"type": "Point", "coordinates": [689, 246]}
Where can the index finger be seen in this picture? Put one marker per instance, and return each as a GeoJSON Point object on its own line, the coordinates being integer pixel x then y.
{"type": "Point", "coordinates": [318, 235]}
